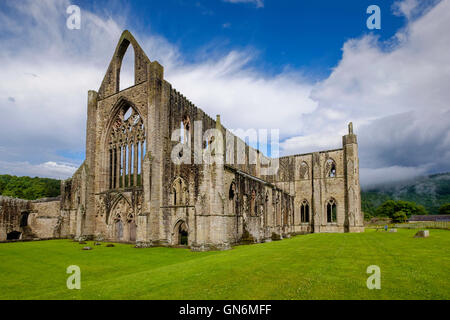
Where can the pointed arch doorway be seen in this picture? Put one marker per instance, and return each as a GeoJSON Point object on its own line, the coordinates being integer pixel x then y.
{"type": "Point", "coordinates": [181, 234]}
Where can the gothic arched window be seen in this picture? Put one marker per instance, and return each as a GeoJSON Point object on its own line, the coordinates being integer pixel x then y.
{"type": "Point", "coordinates": [304, 170]}
{"type": "Point", "coordinates": [232, 191]}
{"type": "Point", "coordinates": [331, 168]}
{"type": "Point", "coordinates": [180, 193]}
{"type": "Point", "coordinates": [331, 211]}
{"type": "Point", "coordinates": [126, 149]}
{"type": "Point", "coordinates": [186, 131]}
{"type": "Point", "coordinates": [304, 211]}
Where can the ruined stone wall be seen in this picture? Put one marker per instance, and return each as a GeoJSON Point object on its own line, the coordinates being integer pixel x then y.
{"type": "Point", "coordinates": [194, 197]}
{"type": "Point", "coordinates": [46, 219]}
{"type": "Point", "coordinates": [307, 177]}
{"type": "Point", "coordinates": [73, 203]}
{"type": "Point", "coordinates": [27, 220]}
{"type": "Point", "coordinates": [11, 213]}
{"type": "Point", "coordinates": [212, 205]}
{"type": "Point", "coordinates": [310, 179]}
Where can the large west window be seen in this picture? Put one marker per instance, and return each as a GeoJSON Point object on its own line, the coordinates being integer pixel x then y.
{"type": "Point", "coordinates": [126, 149]}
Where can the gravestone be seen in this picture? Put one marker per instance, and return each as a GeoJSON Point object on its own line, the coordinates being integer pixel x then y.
{"type": "Point", "coordinates": [87, 248]}
{"type": "Point", "coordinates": [392, 230]}
{"type": "Point", "coordinates": [422, 234]}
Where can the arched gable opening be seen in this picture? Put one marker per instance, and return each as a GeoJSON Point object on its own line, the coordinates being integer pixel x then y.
{"type": "Point", "coordinates": [111, 83]}
{"type": "Point", "coordinates": [126, 66]}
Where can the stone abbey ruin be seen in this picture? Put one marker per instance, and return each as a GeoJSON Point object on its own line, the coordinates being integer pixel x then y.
{"type": "Point", "coordinates": [130, 190]}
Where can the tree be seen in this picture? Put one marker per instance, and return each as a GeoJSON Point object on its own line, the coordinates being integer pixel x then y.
{"type": "Point", "coordinates": [445, 209]}
{"type": "Point", "coordinates": [29, 188]}
{"type": "Point", "coordinates": [399, 216]}
{"type": "Point", "coordinates": [391, 207]}
{"type": "Point", "coordinates": [387, 209]}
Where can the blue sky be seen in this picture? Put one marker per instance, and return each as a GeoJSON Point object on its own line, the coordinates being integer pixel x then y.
{"type": "Point", "coordinates": [286, 34]}
{"type": "Point", "coordinates": [306, 68]}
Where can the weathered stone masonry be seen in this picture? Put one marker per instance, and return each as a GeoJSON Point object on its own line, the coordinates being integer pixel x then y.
{"type": "Point", "coordinates": [129, 189]}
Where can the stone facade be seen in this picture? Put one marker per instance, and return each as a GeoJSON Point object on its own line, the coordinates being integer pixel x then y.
{"type": "Point", "coordinates": [130, 189]}
{"type": "Point", "coordinates": [29, 220]}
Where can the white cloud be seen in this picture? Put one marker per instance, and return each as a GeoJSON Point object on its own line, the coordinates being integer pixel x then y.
{"type": "Point", "coordinates": [257, 3]}
{"type": "Point", "coordinates": [245, 98]}
{"type": "Point", "coordinates": [47, 71]}
{"type": "Point", "coordinates": [405, 8]}
{"type": "Point", "coordinates": [396, 93]}
{"type": "Point", "coordinates": [48, 169]}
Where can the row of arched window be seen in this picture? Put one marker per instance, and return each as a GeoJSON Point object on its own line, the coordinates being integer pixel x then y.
{"type": "Point", "coordinates": [180, 196]}
{"type": "Point", "coordinates": [330, 169]}
{"type": "Point", "coordinates": [185, 133]}
{"type": "Point", "coordinates": [331, 211]}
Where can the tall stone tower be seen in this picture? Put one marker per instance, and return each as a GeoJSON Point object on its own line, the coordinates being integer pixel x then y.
{"type": "Point", "coordinates": [354, 219]}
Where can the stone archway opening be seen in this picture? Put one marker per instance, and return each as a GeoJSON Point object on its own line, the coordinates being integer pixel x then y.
{"type": "Point", "coordinates": [13, 235]}
{"type": "Point", "coordinates": [24, 219]}
{"type": "Point", "coordinates": [181, 234]}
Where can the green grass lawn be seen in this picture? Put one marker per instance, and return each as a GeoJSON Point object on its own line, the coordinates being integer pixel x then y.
{"type": "Point", "coordinates": [315, 266]}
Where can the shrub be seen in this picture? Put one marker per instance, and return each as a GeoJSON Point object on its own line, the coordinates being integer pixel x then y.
{"type": "Point", "coordinates": [445, 209]}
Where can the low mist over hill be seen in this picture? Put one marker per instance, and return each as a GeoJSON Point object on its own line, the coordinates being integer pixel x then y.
{"type": "Point", "coordinates": [430, 191]}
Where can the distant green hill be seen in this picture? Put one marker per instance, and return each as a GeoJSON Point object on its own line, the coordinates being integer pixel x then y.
{"type": "Point", "coordinates": [29, 188]}
{"type": "Point", "coordinates": [430, 191]}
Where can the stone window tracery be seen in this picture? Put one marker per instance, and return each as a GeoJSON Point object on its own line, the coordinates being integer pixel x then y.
{"type": "Point", "coordinates": [126, 149]}
{"type": "Point", "coordinates": [304, 170]}
{"type": "Point", "coordinates": [179, 192]}
{"type": "Point", "coordinates": [331, 168]}
{"type": "Point", "coordinates": [304, 211]}
{"type": "Point", "coordinates": [331, 211]}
